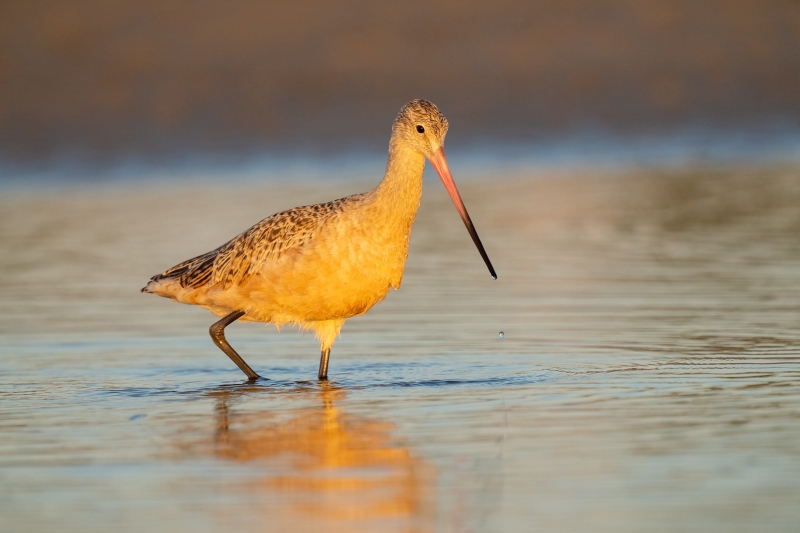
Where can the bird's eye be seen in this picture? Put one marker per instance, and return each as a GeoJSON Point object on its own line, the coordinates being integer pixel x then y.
{"type": "Point", "coordinates": [420, 129]}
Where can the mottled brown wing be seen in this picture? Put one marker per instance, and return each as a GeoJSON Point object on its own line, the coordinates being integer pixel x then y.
{"type": "Point", "coordinates": [244, 256]}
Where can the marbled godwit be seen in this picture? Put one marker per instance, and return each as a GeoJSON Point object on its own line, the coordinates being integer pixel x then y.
{"type": "Point", "coordinates": [317, 265]}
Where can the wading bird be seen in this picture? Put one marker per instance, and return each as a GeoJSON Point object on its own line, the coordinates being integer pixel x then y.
{"type": "Point", "coordinates": [317, 265]}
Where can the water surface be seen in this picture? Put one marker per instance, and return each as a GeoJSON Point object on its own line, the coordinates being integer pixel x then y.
{"type": "Point", "coordinates": [648, 378]}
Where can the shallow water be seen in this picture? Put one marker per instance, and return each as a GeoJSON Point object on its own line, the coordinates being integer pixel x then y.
{"type": "Point", "coordinates": [648, 378]}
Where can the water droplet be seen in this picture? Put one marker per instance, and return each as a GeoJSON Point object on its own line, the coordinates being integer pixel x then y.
{"type": "Point", "coordinates": [501, 334]}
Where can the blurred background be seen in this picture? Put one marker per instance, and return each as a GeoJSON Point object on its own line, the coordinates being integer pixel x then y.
{"type": "Point", "coordinates": [99, 84]}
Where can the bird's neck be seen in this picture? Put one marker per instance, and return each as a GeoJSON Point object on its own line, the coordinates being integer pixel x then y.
{"type": "Point", "coordinates": [391, 208]}
{"type": "Point", "coordinates": [401, 189]}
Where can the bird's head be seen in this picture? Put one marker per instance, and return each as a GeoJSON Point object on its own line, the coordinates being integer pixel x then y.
{"type": "Point", "coordinates": [421, 126]}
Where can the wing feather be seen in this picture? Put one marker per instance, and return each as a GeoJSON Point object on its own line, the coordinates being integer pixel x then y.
{"type": "Point", "coordinates": [244, 256]}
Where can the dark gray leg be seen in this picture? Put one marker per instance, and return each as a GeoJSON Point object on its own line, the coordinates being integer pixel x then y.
{"type": "Point", "coordinates": [323, 364]}
{"type": "Point", "coordinates": [218, 336]}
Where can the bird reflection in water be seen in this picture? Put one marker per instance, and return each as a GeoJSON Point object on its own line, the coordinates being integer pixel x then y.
{"type": "Point", "coordinates": [324, 466]}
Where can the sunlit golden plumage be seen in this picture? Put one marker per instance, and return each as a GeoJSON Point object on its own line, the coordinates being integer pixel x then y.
{"type": "Point", "coordinates": [317, 265]}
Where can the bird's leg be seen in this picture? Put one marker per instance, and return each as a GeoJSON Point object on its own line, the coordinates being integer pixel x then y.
{"type": "Point", "coordinates": [323, 364]}
{"type": "Point", "coordinates": [217, 332]}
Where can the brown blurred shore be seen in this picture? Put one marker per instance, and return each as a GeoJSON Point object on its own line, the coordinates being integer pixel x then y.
{"type": "Point", "coordinates": [103, 80]}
